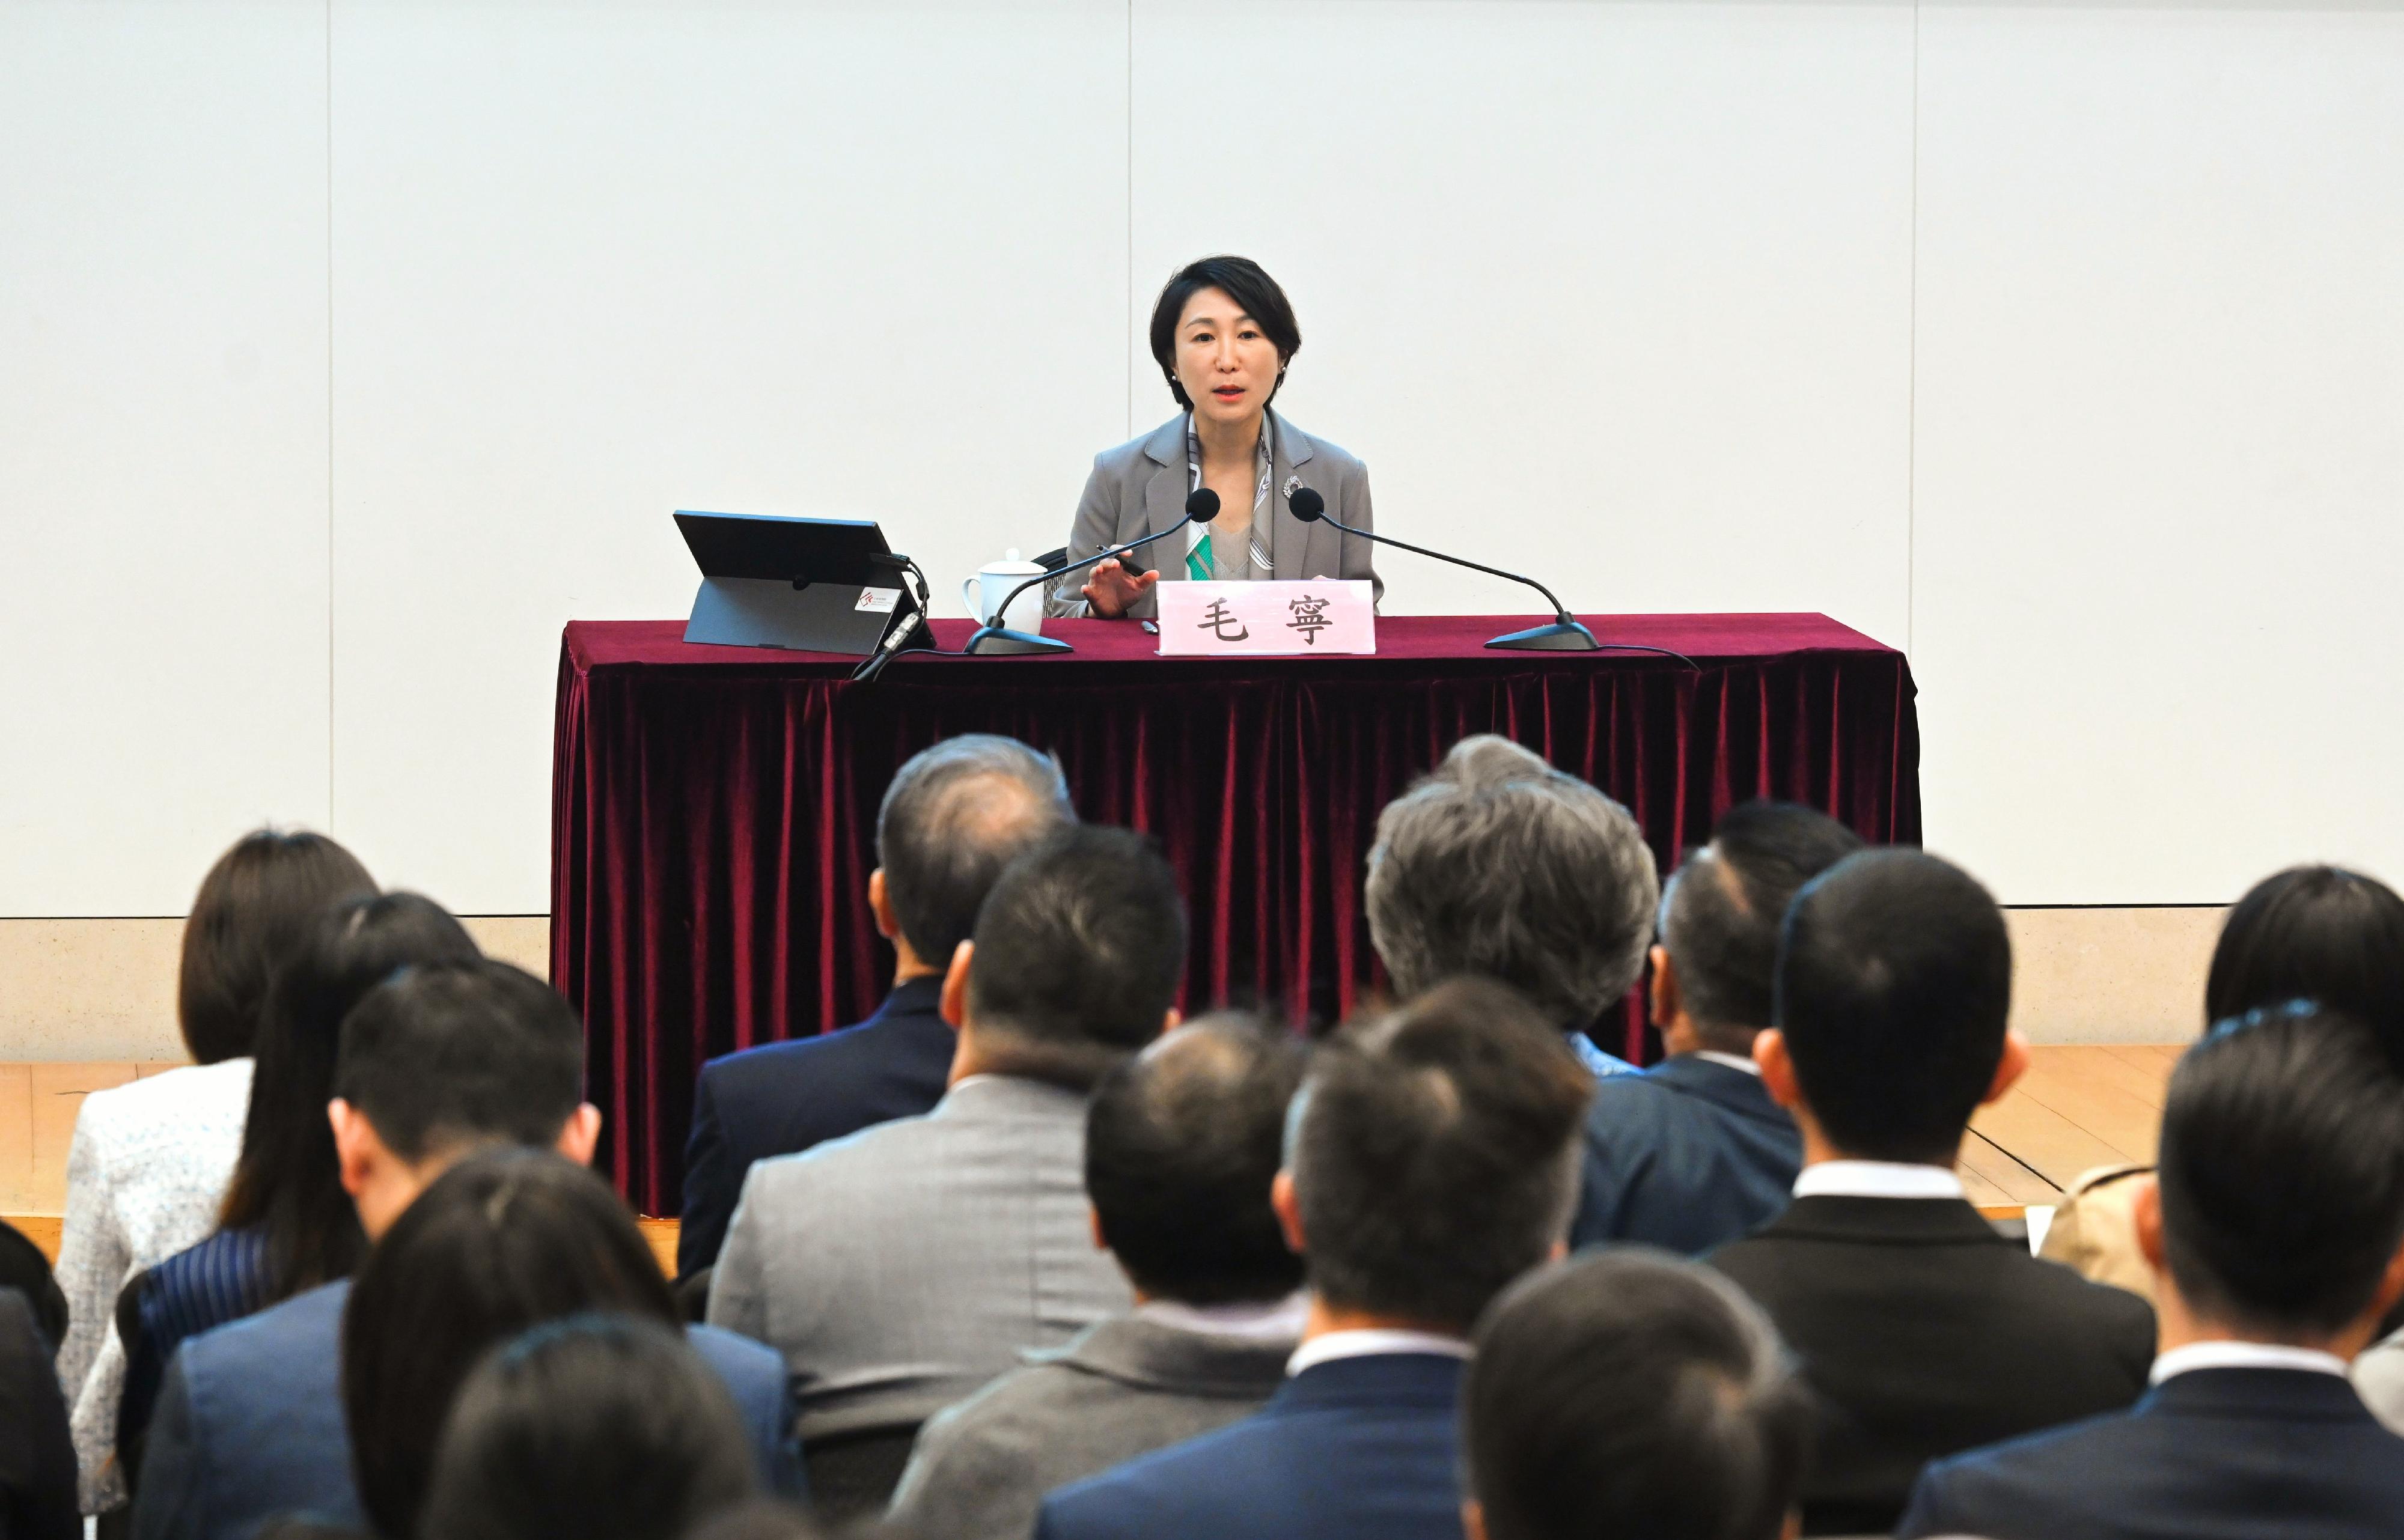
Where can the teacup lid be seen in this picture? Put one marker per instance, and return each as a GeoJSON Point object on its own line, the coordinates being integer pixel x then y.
{"type": "Point", "coordinates": [1012, 561]}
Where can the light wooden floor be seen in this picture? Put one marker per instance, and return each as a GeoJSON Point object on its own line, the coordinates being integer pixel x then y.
{"type": "Point", "coordinates": [2078, 1108]}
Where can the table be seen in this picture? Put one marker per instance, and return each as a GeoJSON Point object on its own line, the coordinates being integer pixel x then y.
{"type": "Point", "coordinates": [713, 809]}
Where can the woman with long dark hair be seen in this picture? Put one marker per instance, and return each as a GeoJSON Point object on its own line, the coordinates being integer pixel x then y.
{"type": "Point", "coordinates": [287, 1225]}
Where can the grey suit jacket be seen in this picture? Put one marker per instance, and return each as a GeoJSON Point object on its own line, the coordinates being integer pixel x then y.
{"type": "Point", "coordinates": [1124, 1388]}
{"type": "Point", "coordinates": [900, 1268]}
{"type": "Point", "coordinates": [1139, 489]}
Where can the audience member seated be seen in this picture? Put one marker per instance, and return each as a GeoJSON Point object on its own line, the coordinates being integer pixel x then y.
{"type": "Point", "coordinates": [1693, 1153]}
{"type": "Point", "coordinates": [1630, 1393]}
{"type": "Point", "coordinates": [436, 1064]}
{"type": "Point", "coordinates": [146, 1167]}
{"type": "Point", "coordinates": [506, 1240]}
{"type": "Point", "coordinates": [25, 1268]}
{"type": "Point", "coordinates": [37, 1466]}
{"type": "Point", "coordinates": [288, 1225]}
{"type": "Point", "coordinates": [1182, 1146]}
{"type": "Point", "coordinates": [1500, 866]}
{"type": "Point", "coordinates": [2307, 933]}
{"type": "Point", "coordinates": [900, 1268]}
{"type": "Point", "coordinates": [2276, 1224]}
{"type": "Point", "coordinates": [604, 1427]}
{"type": "Point", "coordinates": [955, 816]}
{"type": "Point", "coordinates": [1923, 1331]}
{"type": "Point", "coordinates": [1432, 1158]}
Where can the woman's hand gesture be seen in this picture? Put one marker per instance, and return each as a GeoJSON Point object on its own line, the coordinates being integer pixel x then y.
{"type": "Point", "coordinates": [1111, 587]}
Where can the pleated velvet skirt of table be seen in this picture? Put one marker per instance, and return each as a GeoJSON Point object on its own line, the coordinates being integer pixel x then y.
{"type": "Point", "coordinates": [714, 809]}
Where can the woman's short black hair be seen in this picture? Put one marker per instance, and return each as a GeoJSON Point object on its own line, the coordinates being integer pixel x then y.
{"type": "Point", "coordinates": [594, 1426]}
{"type": "Point", "coordinates": [1244, 281]}
{"type": "Point", "coordinates": [289, 1182]}
{"type": "Point", "coordinates": [503, 1242]}
{"type": "Point", "coordinates": [252, 909]}
{"type": "Point", "coordinates": [2322, 934]}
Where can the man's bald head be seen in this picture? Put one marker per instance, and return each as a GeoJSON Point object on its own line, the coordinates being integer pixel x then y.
{"type": "Point", "coordinates": [1182, 1144]}
{"type": "Point", "coordinates": [954, 817]}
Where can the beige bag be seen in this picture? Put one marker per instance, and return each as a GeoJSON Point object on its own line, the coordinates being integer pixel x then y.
{"type": "Point", "coordinates": [2095, 1230]}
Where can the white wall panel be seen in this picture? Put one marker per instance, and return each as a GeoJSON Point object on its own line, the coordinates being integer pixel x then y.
{"type": "Point", "coordinates": [1620, 291]}
{"type": "Point", "coordinates": [2161, 378]}
{"type": "Point", "coordinates": [162, 443]}
{"type": "Point", "coordinates": [600, 261]}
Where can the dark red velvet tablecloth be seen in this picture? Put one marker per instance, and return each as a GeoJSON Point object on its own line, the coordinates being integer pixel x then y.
{"type": "Point", "coordinates": [714, 809]}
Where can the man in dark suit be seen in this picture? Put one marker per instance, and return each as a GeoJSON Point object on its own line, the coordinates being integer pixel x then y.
{"type": "Point", "coordinates": [1630, 1393]}
{"type": "Point", "coordinates": [2276, 1227]}
{"type": "Point", "coordinates": [1429, 1160]}
{"type": "Point", "coordinates": [1181, 1144]}
{"type": "Point", "coordinates": [1922, 1330]}
{"type": "Point", "coordinates": [1693, 1153]}
{"type": "Point", "coordinates": [436, 1063]}
{"type": "Point", "coordinates": [953, 817]}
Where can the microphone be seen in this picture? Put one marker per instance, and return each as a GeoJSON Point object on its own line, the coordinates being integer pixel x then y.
{"type": "Point", "coordinates": [1563, 635]}
{"type": "Point", "coordinates": [1201, 507]}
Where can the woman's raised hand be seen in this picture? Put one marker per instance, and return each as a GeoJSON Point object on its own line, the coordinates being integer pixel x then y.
{"type": "Point", "coordinates": [1113, 587]}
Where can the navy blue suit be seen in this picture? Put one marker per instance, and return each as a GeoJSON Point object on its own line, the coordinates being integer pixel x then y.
{"type": "Point", "coordinates": [2211, 1454]}
{"type": "Point", "coordinates": [1353, 1447]}
{"type": "Point", "coordinates": [1688, 1154]}
{"type": "Point", "coordinates": [784, 1097]}
{"type": "Point", "coordinates": [250, 1425]}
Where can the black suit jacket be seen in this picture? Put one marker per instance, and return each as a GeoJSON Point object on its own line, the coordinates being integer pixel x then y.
{"type": "Point", "coordinates": [1688, 1154]}
{"type": "Point", "coordinates": [784, 1097]}
{"type": "Point", "coordinates": [2211, 1454]}
{"type": "Point", "coordinates": [1924, 1333]}
{"type": "Point", "coordinates": [37, 1462]}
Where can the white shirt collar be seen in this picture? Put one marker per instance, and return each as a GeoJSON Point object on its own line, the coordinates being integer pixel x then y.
{"type": "Point", "coordinates": [2243, 1355]}
{"type": "Point", "coordinates": [1280, 1321]}
{"type": "Point", "coordinates": [1733, 1060]}
{"type": "Point", "coordinates": [1875, 1179]}
{"type": "Point", "coordinates": [1371, 1343]}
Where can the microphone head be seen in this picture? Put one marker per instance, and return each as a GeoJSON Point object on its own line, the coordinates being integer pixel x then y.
{"type": "Point", "coordinates": [1202, 504]}
{"type": "Point", "coordinates": [1306, 505]}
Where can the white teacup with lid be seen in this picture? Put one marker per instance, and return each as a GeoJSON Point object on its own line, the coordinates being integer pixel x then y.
{"type": "Point", "coordinates": [994, 580]}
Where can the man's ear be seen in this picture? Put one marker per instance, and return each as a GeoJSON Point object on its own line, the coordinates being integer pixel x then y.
{"type": "Point", "coordinates": [2008, 1069]}
{"type": "Point", "coordinates": [879, 907]}
{"type": "Point", "coordinates": [1473, 1519]}
{"type": "Point", "coordinates": [2391, 1287]}
{"type": "Point", "coordinates": [1777, 1068]}
{"type": "Point", "coordinates": [1665, 1002]}
{"type": "Point", "coordinates": [1094, 1222]}
{"type": "Point", "coordinates": [2145, 1215]}
{"type": "Point", "coordinates": [954, 1004]}
{"type": "Point", "coordinates": [581, 1134]}
{"type": "Point", "coordinates": [356, 1149]}
{"type": "Point", "coordinates": [1289, 1211]}
{"type": "Point", "coordinates": [1171, 1022]}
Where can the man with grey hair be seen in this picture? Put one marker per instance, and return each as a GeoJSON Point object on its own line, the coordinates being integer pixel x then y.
{"type": "Point", "coordinates": [954, 816]}
{"type": "Point", "coordinates": [1499, 865]}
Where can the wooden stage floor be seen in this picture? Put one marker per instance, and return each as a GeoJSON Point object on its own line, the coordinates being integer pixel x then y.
{"type": "Point", "coordinates": [2077, 1108]}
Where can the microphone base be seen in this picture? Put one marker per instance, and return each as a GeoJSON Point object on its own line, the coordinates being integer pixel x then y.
{"type": "Point", "coordinates": [1560, 636]}
{"type": "Point", "coordinates": [1001, 641]}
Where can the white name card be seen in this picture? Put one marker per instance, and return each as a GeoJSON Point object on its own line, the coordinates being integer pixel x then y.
{"type": "Point", "coordinates": [1254, 619]}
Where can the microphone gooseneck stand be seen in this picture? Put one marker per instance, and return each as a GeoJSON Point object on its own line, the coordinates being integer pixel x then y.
{"type": "Point", "coordinates": [1201, 507]}
{"type": "Point", "coordinates": [1565, 633]}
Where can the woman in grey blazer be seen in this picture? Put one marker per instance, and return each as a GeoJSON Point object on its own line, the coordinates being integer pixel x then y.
{"type": "Point", "coordinates": [1224, 335]}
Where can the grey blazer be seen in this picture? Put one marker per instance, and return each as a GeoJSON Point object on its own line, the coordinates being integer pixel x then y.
{"type": "Point", "coordinates": [900, 1268]}
{"type": "Point", "coordinates": [1124, 1388]}
{"type": "Point", "coordinates": [1139, 489]}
